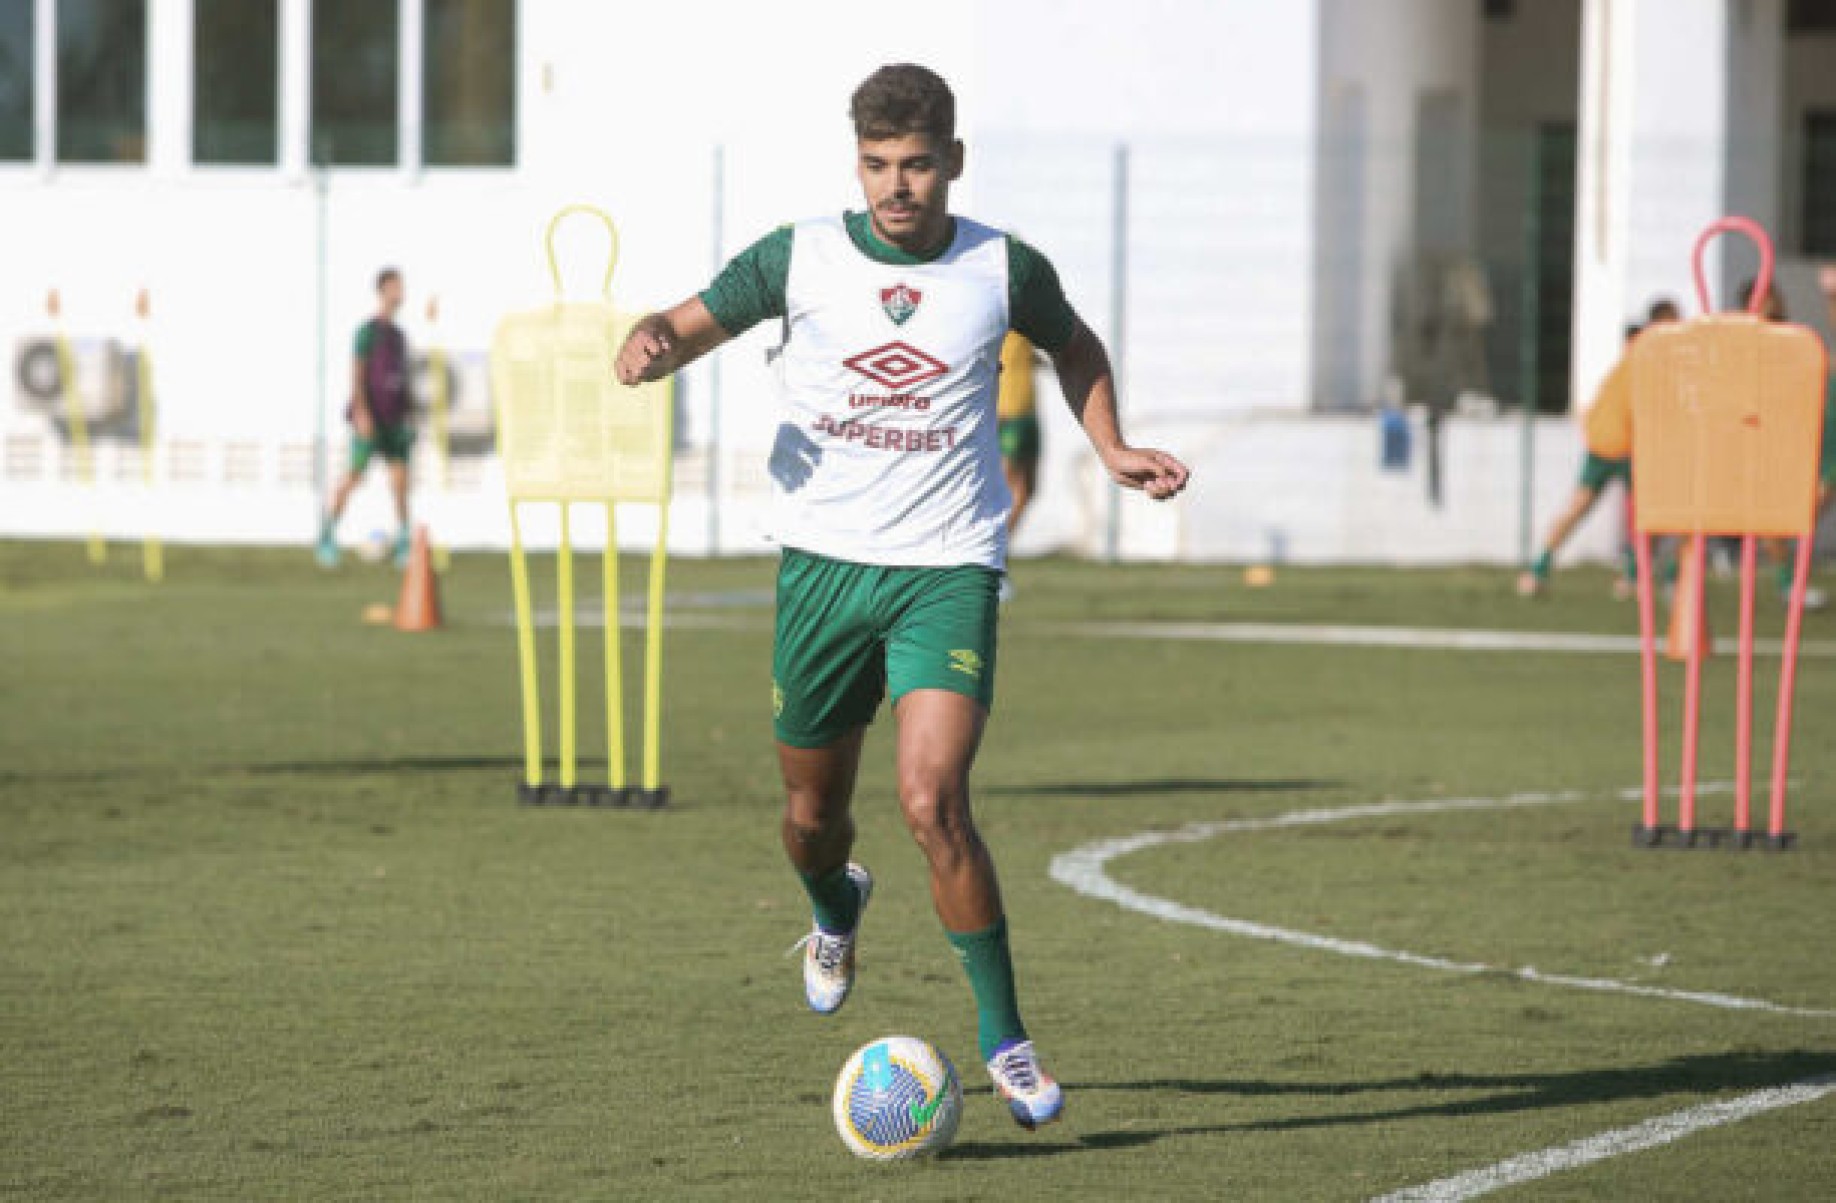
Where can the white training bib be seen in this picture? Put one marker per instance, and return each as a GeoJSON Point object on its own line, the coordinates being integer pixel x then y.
{"type": "Point", "coordinates": [887, 450]}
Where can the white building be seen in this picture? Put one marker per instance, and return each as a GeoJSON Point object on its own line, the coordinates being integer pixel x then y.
{"type": "Point", "coordinates": [1258, 203]}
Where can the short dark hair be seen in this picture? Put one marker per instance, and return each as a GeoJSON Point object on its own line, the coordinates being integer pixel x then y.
{"type": "Point", "coordinates": [1748, 287]}
{"type": "Point", "coordinates": [1663, 310]}
{"type": "Point", "coordinates": [386, 276]}
{"type": "Point", "coordinates": [904, 99]}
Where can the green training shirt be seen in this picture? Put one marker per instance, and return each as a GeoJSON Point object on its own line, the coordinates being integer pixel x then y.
{"type": "Point", "coordinates": [750, 289]}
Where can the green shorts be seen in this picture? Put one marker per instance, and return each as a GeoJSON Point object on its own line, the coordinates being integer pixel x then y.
{"type": "Point", "coordinates": [1020, 439]}
{"type": "Point", "coordinates": [849, 633]}
{"type": "Point", "coordinates": [390, 442]}
{"type": "Point", "coordinates": [1597, 472]}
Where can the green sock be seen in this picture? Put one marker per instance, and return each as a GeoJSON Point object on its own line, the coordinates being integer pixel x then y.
{"type": "Point", "coordinates": [990, 967]}
{"type": "Point", "coordinates": [1628, 564]}
{"type": "Point", "coordinates": [1786, 577]}
{"type": "Point", "coordinates": [1539, 567]}
{"type": "Point", "coordinates": [834, 898]}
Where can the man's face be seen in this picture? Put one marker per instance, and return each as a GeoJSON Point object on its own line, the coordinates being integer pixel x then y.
{"type": "Point", "coordinates": [906, 181]}
{"type": "Point", "coordinates": [389, 296]}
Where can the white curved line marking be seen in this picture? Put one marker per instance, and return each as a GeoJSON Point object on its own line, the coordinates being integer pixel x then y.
{"type": "Point", "coordinates": [1085, 870]}
{"type": "Point", "coordinates": [1661, 1130]}
{"type": "Point", "coordinates": [1447, 639]}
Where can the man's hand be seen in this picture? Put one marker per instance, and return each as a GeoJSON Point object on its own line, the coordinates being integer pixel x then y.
{"type": "Point", "coordinates": [1826, 281]}
{"type": "Point", "coordinates": [362, 422]}
{"type": "Point", "coordinates": [645, 355]}
{"type": "Point", "coordinates": [1156, 473]}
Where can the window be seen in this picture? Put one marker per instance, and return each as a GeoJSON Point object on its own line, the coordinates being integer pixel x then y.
{"type": "Point", "coordinates": [236, 80]}
{"type": "Point", "coordinates": [16, 82]}
{"type": "Point", "coordinates": [469, 96]}
{"type": "Point", "coordinates": [101, 81]}
{"type": "Point", "coordinates": [1810, 16]}
{"type": "Point", "coordinates": [355, 47]}
{"type": "Point", "coordinates": [1820, 182]}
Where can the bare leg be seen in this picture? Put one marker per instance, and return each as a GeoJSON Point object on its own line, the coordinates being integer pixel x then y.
{"type": "Point", "coordinates": [1022, 482]}
{"type": "Point", "coordinates": [398, 487]}
{"type": "Point", "coordinates": [939, 733]}
{"type": "Point", "coordinates": [818, 829]}
{"type": "Point", "coordinates": [1579, 504]}
{"type": "Point", "coordinates": [341, 497]}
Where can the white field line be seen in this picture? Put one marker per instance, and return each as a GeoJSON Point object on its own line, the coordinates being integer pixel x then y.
{"type": "Point", "coordinates": [1661, 1130]}
{"type": "Point", "coordinates": [594, 618]}
{"type": "Point", "coordinates": [1415, 638]}
{"type": "Point", "coordinates": [1085, 870]}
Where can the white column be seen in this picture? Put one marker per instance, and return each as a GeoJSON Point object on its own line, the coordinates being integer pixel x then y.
{"type": "Point", "coordinates": [170, 45]}
{"type": "Point", "coordinates": [44, 85]}
{"type": "Point", "coordinates": [295, 84]}
{"type": "Point", "coordinates": [408, 85]}
{"type": "Point", "coordinates": [1654, 167]}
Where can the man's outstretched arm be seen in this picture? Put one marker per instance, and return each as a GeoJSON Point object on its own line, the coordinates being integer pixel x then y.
{"type": "Point", "coordinates": [665, 343]}
{"type": "Point", "coordinates": [1090, 390]}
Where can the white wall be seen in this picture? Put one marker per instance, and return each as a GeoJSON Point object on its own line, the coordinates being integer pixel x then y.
{"type": "Point", "coordinates": [1216, 99]}
{"type": "Point", "coordinates": [1216, 94]}
{"type": "Point", "coordinates": [1281, 488]}
{"type": "Point", "coordinates": [1653, 125]}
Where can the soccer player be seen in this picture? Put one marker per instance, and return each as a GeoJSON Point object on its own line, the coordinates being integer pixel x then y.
{"type": "Point", "coordinates": [1608, 435]}
{"type": "Point", "coordinates": [892, 515]}
{"type": "Point", "coordinates": [1772, 309]}
{"type": "Point", "coordinates": [378, 415]}
{"type": "Point", "coordinates": [1016, 407]}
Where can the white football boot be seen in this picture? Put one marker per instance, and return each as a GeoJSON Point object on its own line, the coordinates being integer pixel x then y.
{"type": "Point", "coordinates": [828, 959]}
{"type": "Point", "coordinates": [1032, 1096]}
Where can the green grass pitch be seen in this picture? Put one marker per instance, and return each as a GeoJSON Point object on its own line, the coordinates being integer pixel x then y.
{"type": "Point", "coordinates": [275, 927]}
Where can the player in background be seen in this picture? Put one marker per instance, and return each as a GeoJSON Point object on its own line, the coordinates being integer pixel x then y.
{"type": "Point", "coordinates": [1017, 408]}
{"type": "Point", "coordinates": [378, 413]}
{"type": "Point", "coordinates": [1778, 551]}
{"type": "Point", "coordinates": [892, 516]}
{"type": "Point", "coordinates": [1608, 435]}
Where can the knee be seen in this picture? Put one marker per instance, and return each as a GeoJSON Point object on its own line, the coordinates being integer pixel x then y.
{"type": "Point", "coordinates": [937, 812]}
{"type": "Point", "coordinates": [810, 821]}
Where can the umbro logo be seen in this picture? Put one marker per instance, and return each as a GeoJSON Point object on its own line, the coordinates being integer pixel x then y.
{"type": "Point", "coordinates": [900, 367]}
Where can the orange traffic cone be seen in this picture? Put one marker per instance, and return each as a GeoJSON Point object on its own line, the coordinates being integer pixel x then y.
{"type": "Point", "coordinates": [419, 607]}
{"type": "Point", "coordinates": [1687, 620]}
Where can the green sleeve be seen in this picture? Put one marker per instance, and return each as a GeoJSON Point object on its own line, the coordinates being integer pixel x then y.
{"type": "Point", "coordinates": [750, 289]}
{"type": "Point", "coordinates": [366, 338]}
{"type": "Point", "coordinates": [1037, 307]}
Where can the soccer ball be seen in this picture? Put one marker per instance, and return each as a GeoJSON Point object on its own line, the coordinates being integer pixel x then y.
{"type": "Point", "coordinates": [375, 547]}
{"type": "Point", "coordinates": [896, 1098]}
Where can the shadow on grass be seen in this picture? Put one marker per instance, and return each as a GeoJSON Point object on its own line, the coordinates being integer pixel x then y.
{"type": "Point", "coordinates": [292, 768]}
{"type": "Point", "coordinates": [1507, 1094]}
{"type": "Point", "coordinates": [389, 764]}
{"type": "Point", "coordinates": [1161, 786]}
